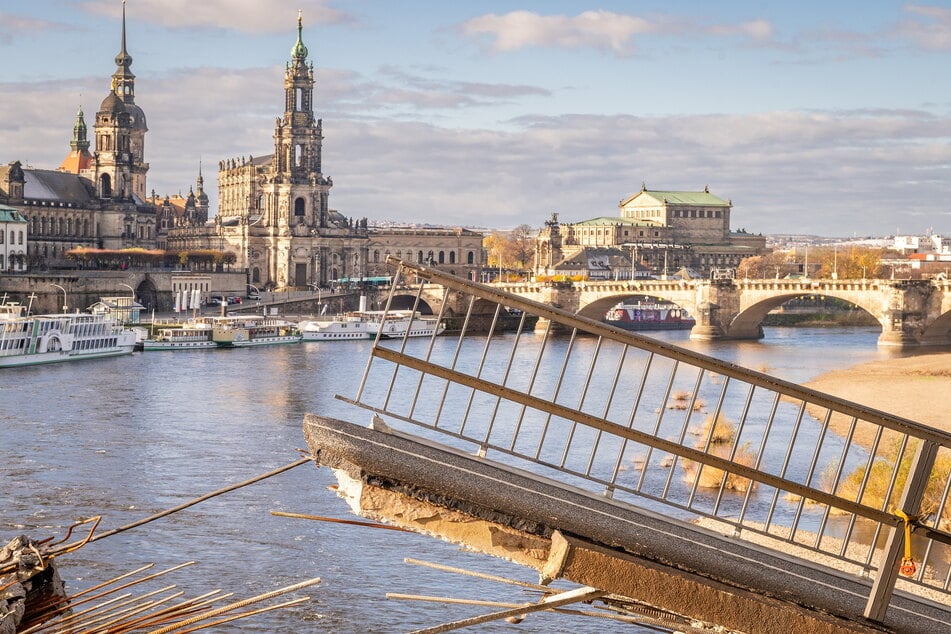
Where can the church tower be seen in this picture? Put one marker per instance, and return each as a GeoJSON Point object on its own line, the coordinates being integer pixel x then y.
{"type": "Point", "coordinates": [120, 168]}
{"type": "Point", "coordinates": [297, 146]}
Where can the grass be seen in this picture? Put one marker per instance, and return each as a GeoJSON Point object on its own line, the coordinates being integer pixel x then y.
{"type": "Point", "coordinates": [722, 436]}
{"type": "Point", "coordinates": [880, 477]}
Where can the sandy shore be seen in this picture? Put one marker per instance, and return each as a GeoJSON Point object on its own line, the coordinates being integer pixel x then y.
{"type": "Point", "coordinates": [917, 388]}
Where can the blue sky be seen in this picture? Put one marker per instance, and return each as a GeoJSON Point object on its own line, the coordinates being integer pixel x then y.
{"type": "Point", "coordinates": [827, 118]}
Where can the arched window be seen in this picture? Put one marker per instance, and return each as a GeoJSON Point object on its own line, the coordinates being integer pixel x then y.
{"type": "Point", "coordinates": [420, 258]}
{"type": "Point", "coordinates": [298, 155]}
{"type": "Point", "coordinates": [299, 207]}
{"type": "Point", "coordinates": [470, 259]}
{"type": "Point", "coordinates": [376, 257]}
{"type": "Point", "coordinates": [442, 257]}
{"type": "Point", "coordinates": [452, 257]}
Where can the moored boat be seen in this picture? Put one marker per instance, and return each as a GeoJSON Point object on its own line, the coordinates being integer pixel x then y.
{"type": "Point", "coordinates": [397, 324]}
{"type": "Point", "coordinates": [335, 328]}
{"type": "Point", "coordinates": [189, 336]}
{"type": "Point", "coordinates": [252, 330]}
{"type": "Point", "coordinates": [644, 315]}
{"type": "Point", "coordinates": [43, 339]}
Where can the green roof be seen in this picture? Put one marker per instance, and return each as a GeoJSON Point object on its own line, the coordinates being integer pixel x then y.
{"type": "Point", "coordinates": [11, 214]}
{"type": "Point", "coordinates": [704, 198]}
{"type": "Point", "coordinates": [610, 221]}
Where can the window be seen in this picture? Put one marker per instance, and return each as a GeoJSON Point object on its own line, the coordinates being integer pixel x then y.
{"type": "Point", "coordinates": [442, 257]}
{"type": "Point", "coordinates": [420, 258]}
{"type": "Point", "coordinates": [2, 233]}
{"type": "Point", "coordinates": [21, 238]}
{"type": "Point", "coordinates": [376, 257]}
{"type": "Point", "coordinates": [452, 257]}
{"type": "Point", "coordinates": [298, 155]}
{"type": "Point", "coordinates": [470, 259]}
{"type": "Point", "coordinates": [299, 207]}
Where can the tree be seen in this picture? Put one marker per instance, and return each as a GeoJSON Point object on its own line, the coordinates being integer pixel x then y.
{"type": "Point", "coordinates": [775, 264]}
{"type": "Point", "coordinates": [513, 249]}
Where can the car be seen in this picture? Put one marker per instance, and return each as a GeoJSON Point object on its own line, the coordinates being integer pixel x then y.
{"type": "Point", "coordinates": [213, 301]}
{"type": "Point", "coordinates": [234, 299]}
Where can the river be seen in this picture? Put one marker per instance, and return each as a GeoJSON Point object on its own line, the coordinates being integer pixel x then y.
{"type": "Point", "coordinates": [131, 436]}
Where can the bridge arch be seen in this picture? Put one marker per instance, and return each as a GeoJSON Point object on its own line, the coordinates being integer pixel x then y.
{"type": "Point", "coordinates": [938, 332]}
{"type": "Point", "coordinates": [596, 309]}
{"type": "Point", "coordinates": [748, 322]}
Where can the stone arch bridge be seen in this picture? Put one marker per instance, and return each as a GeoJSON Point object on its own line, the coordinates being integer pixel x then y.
{"type": "Point", "coordinates": [911, 312]}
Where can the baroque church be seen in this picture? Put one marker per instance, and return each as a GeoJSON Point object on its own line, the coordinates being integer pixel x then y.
{"type": "Point", "coordinates": [94, 199]}
{"type": "Point", "coordinates": [274, 211]}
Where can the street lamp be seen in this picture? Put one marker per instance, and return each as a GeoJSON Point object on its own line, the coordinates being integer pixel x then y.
{"type": "Point", "coordinates": [130, 288]}
{"type": "Point", "coordinates": [65, 307]}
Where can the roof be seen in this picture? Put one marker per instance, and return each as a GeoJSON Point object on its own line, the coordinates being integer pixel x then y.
{"type": "Point", "coordinates": [76, 161]}
{"type": "Point", "coordinates": [53, 185]}
{"type": "Point", "coordinates": [610, 221]}
{"type": "Point", "coordinates": [595, 258]}
{"type": "Point", "coordinates": [704, 198]}
{"type": "Point", "coordinates": [10, 214]}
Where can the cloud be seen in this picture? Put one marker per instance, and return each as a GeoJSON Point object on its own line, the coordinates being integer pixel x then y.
{"type": "Point", "coordinates": [243, 16]}
{"type": "Point", "coordinates": [932, 31]}
{"type": "Point", "coordinates": [821, 172]}
{"type": "Point", "coordinates": [591, 29]}
{"type": "Point", "coordinates": [14, 27]}
{"type": "Point", "coordinates": [600, 30]}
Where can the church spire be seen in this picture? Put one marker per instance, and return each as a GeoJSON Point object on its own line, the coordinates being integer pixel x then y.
{"type": "Point", "coordinates": [299, 52]}
{"type": "Point", "coordinates": [123, 80]}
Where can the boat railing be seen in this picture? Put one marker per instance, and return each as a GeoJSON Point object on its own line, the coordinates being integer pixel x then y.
{"type": "Point", "coordinates": [653, 425]}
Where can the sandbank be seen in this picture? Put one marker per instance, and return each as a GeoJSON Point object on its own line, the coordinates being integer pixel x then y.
{"type": "Point", "coordinates": [917, 388]}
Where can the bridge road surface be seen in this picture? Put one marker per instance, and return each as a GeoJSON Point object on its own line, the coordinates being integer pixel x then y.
{"type": "Point", "coordinates": [667, 563]}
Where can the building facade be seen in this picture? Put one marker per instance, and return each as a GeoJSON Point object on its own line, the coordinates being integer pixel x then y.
{"type": "Point", "coordinates": [13, 240]}
{"type": "Point", "coordinates": [661, 231]}
{"type": "Point", "coordinates": [93, 200]}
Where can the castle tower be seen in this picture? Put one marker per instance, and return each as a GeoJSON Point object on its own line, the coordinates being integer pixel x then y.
{"type": "Point", "coordinates": [120, 168]}
{"type": "Point", "coordinates": [79, 159]}
{"type": "Point", "coordinates": [201, 199]}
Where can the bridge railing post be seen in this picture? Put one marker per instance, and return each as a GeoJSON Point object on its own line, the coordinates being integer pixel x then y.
{"type": "Point", "coordinates": [919, 474]}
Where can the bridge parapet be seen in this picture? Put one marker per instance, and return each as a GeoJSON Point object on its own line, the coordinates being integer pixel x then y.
{"type": "Point", "coordinates": [911, 312]}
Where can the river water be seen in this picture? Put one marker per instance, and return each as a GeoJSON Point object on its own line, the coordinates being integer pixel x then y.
{"type": "Point", "coordinates": [131, 436]}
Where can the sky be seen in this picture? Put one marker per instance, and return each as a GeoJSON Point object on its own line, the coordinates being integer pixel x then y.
{"type": "Point", "coordinates": [824, 118]}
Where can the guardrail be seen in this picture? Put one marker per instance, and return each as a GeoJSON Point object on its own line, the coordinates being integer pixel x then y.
{"type": "Point", "coordinates": [653, 425]}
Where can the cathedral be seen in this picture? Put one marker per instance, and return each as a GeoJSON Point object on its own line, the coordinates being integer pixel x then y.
{"type": "Point", "coordinates": [93, 200]}
{"type": "Point", "coordinates": [274, 210]}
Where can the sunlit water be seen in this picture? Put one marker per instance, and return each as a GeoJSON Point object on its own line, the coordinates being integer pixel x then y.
{"type": "Point", "coordinates": [131, 436]}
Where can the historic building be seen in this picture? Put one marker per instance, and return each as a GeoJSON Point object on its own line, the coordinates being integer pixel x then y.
{"type": "Point", "coordinates": [13, 241]}
{"type": "Point", "coordinates": [456, 250]}
{"type": "Point", "coordinates": [661, 231]}
{"type": "Point", "coordinates": [93, 199]}
{"type": "Point", "coordinates": [274, 211]}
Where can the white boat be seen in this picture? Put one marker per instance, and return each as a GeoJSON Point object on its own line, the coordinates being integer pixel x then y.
{"type": "Point", "coordinates": [252, 330]}
{"type": "Point", "coordinates": [396, 324]}
{"type": "Point", "coordinates": [335, 328]}
{"type": "Point", "coordinates": [189, 336]}
{"type": "Point", "coordinates": [55, 338]}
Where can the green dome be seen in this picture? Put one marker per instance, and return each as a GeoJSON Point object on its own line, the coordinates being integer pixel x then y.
{"type": "Point", "coordinates": [299, 50]}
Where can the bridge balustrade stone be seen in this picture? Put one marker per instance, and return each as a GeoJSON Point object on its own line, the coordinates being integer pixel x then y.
{"type": "Point", "coordinates": [911, 312]}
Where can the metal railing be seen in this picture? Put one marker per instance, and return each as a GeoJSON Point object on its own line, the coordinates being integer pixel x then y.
{"type": "Point", "coordinates": [656, 426]}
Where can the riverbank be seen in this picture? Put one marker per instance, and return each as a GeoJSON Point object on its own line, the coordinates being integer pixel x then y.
{"type": "Point", "coordinates": [917, 388]}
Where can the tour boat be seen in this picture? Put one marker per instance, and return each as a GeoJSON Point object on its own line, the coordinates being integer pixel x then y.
{"type": "Point", "coordinates": [189, 336]}
{"type": "Point", "coordinates": [43, 339]}
{"type": "Point", "coordinates": [335, 328]}
{"type": "Point", "coordinates": [252, 330]}
{"type": "Point", "coordinates": [642, 315]}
